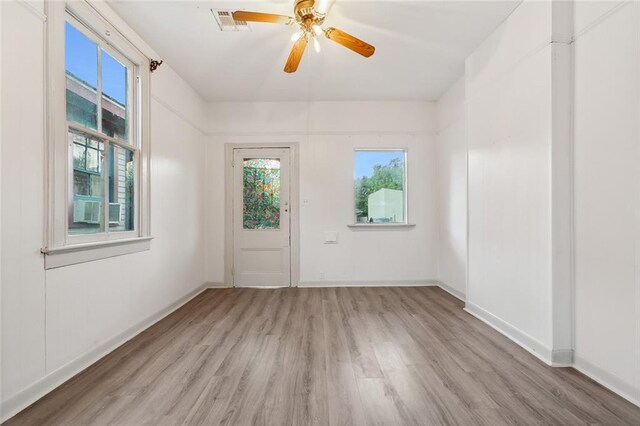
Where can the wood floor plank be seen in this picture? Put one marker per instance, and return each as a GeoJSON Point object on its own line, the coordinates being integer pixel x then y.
{"type": "Point", "coordinates": [377, 401]}
{"type": "Point", "coordinates": [332, 356]}
{"type": "Point", "coordinates": [343, 397]}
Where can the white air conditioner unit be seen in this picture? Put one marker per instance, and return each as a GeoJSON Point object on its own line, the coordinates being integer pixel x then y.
{"type": "Point", "coordinates": [86, 211]}
{"type": "Point", "coordinates": [115, 213]}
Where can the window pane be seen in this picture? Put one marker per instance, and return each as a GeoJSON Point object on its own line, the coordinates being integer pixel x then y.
{"type": "Point", "coordinates": [261, 189]}
{"type": "Point", "coordinates": [79, 156]}
{"type": "Point", "coordinates": [114, 98]}
{"type": "Point", "coordinates": [86, 212]}
{"type": "Point", "coordinates": [379, 192]}
{"type": "Point", "coordinates": [121, 189]}
{"type": "Point", "coordinates": [93, 160]}
{"type": "Point", "coordinates": [81, 64]}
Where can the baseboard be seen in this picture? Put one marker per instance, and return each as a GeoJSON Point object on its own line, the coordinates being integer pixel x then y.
{"type": "Point", "coordinates": [370, 283]}
{"type": "Point", "coordinates": [527, 342]}
{"type": "Point", "coordinates": [608, 380]}
{"type": "Point", "coordinates": [217, 285]}
{"type": "Point", "coordinates": [452, 291]}
{"type": "Point", "coordinates": [562, 358]}
{"type": "Point", "coordinates": [37, 390]}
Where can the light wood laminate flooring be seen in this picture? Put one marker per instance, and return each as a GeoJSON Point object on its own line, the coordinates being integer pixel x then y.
{"type": "Point", "coordinates": [329, 356]}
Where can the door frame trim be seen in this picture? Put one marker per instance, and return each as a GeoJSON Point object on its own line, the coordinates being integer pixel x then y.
{"type": "Point", "coordinates": [294, 201]}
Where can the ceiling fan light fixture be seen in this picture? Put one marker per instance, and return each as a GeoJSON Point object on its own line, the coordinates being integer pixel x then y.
{"type": "Point", "coordinates": [310, 21]}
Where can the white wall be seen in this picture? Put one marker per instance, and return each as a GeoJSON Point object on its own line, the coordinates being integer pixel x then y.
{"type": "Point", "coordinates": [451, 171]}
{"type": "Point", "coordinates": [57, 321]}
{"type": "Point", "coordinates": [509, 133]}
{"type": "Point", "coordinates": [607, 194]}
{"type": "Point", "coordinates": [522, 171]}
{"type": "Point", "coordinates": [328, 133]}
{"type": "Point", "coordinates": [518, 162]}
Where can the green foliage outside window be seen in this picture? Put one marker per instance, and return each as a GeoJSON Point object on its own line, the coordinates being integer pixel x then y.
{"type": "Point", "coordinates": [385, 176]}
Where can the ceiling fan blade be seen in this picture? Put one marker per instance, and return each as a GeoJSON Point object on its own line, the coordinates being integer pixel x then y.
{"type": "Point", "coordinates": [242, 15]}
{"type": "Point", "coordinates": [296, 55]}
{"type": "Point", "coordinates": [350, 42]}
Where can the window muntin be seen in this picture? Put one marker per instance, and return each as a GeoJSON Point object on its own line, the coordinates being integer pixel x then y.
{"type": "Point", "coordinates": [104, 149]}
{"type": "Point", "coordinates": [380, 186]}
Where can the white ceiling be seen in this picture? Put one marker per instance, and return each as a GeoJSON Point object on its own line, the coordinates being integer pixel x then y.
{"type": "Point", "coordinates": [420, 48]}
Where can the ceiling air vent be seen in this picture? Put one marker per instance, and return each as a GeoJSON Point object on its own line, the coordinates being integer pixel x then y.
{"type": "Point", "coordinates": [227, 23]}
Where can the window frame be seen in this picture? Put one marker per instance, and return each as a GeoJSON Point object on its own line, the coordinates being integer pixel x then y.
{"type": "Point", "coordinates": [405, 190]}
{"type": "Point", "coordinates": [59, 189]}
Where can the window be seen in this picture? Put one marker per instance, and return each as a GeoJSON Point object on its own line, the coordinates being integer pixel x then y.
{"type": "Point", "coordinates": [98, 93]}
{"type": "Point", "coordinates": [98, 120]}
{"type": "Point", "coordinates": [380, 186]}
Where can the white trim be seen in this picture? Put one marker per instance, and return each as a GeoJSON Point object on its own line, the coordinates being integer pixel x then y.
{"type": "Point", "coordinates": [561, 180]}
{"type": "Point", "coordinates": [562, 358]}
{"type": "Point", "coordinates": [103, 8]}
{"type": "Point", "coordinates": [608, 380]}
{"type": "Point", "coordinates": [52, 380]}
{"type": "Point", "coordinates": [210, 284]}
{"type": "Point", "coordinates": [323, 133]}
{"type": "Point", "coordinates": [532, 345]}
{"type": "Point", "coordinates": [294, 202]}
{"type": "Point", "coordinates": [88, 252]}
{"type": "Point", "coordinates": [452, 291]}
{"type": "Point", "coordinates": [371, 226]}
{"type": "Point", "coordinates": [58, 169]}
{"type": "Point", "coordinates": [32, 9]}
{"type": "Point", "coordinates": [370, 283]}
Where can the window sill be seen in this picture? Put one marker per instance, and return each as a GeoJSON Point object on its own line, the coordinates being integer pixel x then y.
{"type": "Point", "coordinates": [81, 253]}
{"type": "Point", "coordinates": [386, 226]}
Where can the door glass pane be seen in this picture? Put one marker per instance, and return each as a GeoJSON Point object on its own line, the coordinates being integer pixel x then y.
{"type": "Point", "coordinates": [261, 193]}
{"type": "Point", "coordinates": [86, 213]}
{"type": "Point", "coordinates": [114, 98]}
{"type": "Point", "coordinates": [81, 65]}
{"type": "Point", "coordinates": [121, 189]}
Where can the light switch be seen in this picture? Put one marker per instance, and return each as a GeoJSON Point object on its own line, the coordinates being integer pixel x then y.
{"type": "Point", "coordinates": [331, 237]}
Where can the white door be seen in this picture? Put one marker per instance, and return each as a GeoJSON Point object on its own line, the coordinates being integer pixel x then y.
{"type": "Point", "coordinates": [261, 240]}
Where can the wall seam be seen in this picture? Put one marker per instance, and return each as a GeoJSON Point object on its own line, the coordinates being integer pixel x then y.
{"type": "Point", "coordinates": [178, 114]}
{"type": "Point", "coordinates": [600, 20]}
{"type": "Point", "coordinates": [32, 9]}
{"type": "Point", "coordinates": [499, 76]}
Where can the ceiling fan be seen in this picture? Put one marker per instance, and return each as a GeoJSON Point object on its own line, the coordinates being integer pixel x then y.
{"type": "Point", "coordinates": [309, 15]}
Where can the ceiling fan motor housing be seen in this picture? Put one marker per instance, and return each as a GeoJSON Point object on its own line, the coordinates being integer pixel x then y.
{"type": "Point", "coordinates": [306, 15]}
